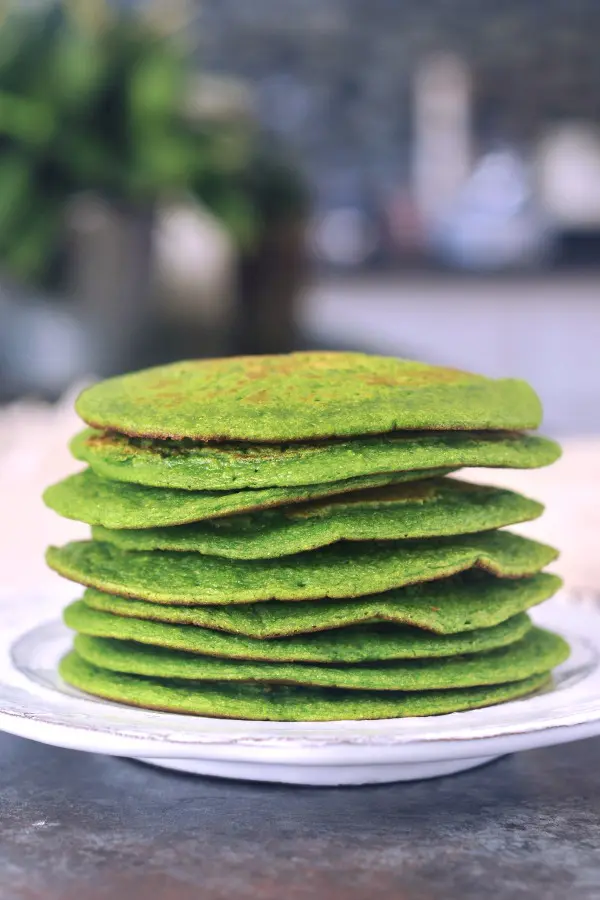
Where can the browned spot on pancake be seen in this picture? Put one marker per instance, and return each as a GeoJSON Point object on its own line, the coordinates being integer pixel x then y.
{"type": "Point", "coordinates": [417, 377]}
{"type": "Point", "coordinates": [257, 397]}
{"type": "Point", "coordinates": [381, 380]}
{"type": "Point", "coordinates": [100, 440]}
{"type": "Point", "coordinates": [258, 371]}
{"type": "Point", "coordinates": [171, 397]}
{"type": "Point", "coordinates": [158, 384]}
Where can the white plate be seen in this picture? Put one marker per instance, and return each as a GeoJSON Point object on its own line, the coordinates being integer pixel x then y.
{"type": "Point", "coordinates": [35, 703]}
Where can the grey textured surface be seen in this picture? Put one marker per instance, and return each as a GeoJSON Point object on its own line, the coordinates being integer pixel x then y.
{"type": "Point", "coordinates": [83, 826]}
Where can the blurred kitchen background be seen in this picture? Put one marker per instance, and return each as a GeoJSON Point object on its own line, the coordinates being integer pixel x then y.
{"type": "Point", "coordinates": [188, 178]}
{"type": "Point", "coordinates": [182, 178]}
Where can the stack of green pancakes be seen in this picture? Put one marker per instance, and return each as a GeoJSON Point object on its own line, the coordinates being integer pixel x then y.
{"type": "Point", "coordinates": [285, 538]}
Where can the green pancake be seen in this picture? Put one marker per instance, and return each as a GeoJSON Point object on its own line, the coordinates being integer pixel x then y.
{"type": "Point", "coordinates": [302, 396]}
{"type": "Point", "coordinates": [196, 466]}
{"type": "Point", "coordinates": [470, 600]}
{"type": "Point", "coordinates": [432, 508]}
{"type": "Point", "coordinates": [360, 643]}
{"type": "Point", "coordinates": [281, 704]}
{"type": "Point", "coordinates": [342, 570]}
{"type": "Point", "coordinates": [536, 653]}
{"type": "Point", "coordinates": [98, 501]}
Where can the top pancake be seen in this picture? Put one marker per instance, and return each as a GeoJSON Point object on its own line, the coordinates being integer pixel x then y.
{"type": "Point", "coordinates": [301, 396]}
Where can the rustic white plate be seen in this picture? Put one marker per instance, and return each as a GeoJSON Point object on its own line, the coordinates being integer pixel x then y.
{"type": "Point", "coordinates": [35, 703]}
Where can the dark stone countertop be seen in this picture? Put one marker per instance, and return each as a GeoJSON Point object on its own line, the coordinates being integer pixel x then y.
{"type": "Point", "coordinates": [84, 827]}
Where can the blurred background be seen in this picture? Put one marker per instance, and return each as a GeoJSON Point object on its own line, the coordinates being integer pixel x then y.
{"type": "Point", "coordinates": [188, 178]}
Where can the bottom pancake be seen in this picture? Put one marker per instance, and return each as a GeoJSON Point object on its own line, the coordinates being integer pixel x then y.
{"type": "Point", "coordinates": [279, 703]}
